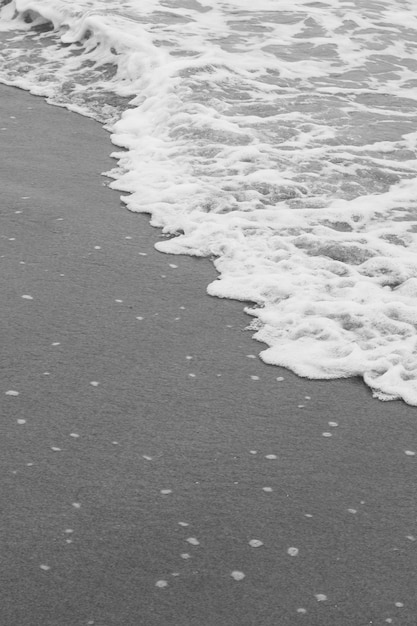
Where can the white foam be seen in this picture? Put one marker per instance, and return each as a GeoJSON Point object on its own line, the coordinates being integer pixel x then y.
{"type": "Point", "coordinates": [281, 142]}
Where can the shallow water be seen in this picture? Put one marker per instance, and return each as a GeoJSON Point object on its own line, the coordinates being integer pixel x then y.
{"type": "Point", "coordinates": [280, 141]}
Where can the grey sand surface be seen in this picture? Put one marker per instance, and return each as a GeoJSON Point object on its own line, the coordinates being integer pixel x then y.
{"type": "Point", "coordinates": [107, 488]}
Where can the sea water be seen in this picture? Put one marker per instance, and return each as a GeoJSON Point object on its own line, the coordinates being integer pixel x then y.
{"type": "Point", "coordinates": [277, 137]}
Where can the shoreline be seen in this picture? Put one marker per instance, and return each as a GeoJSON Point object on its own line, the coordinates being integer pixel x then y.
{"type": "Point", "coordinates": [165, 440]}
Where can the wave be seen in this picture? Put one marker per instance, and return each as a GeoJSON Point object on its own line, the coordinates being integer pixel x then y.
{"type": "Point", "coordinates": [281, 143]}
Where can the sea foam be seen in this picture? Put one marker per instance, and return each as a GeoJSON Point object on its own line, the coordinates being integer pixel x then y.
{"type": "Point", "coordinates": [280, 142]}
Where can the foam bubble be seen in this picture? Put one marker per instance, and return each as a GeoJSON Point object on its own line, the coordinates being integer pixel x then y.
{"type": "Point", "coordinates": [320, 597]}
{"type": "Point", "coordinates": [161, 584]}
{"type": "Point", "coordinates": [193, 541]}
{"type": "Point", "coordinates": [255, 543]}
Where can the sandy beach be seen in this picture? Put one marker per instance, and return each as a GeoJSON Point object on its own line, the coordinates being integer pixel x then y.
{"type": "Point", "coordinates": [154, 471]}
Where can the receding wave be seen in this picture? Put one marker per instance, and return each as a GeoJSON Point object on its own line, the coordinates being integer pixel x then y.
{"type": "Point", "coordinates": [280, 142]}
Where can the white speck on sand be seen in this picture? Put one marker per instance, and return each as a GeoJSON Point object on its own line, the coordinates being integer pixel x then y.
{"type": "Point", "coordinates": [148, 458]}
{"type": "Point", "coordinates": [47, 373]}
{"type": "Point", "coordinates": [308, 515]}
{"type": "Point", "coordinates": [139, 317]}
{"type": "Point", "coordinates": [320, 597]}
{"type": "Point", "coordinates": [128, 237]}
{"type": "Point", "coordinates": [55, 449]}
{"type": "Point", "coordinates": [76, 505]}
{"type": "Point", "coordinates": [301, 406]}
{"type": "Point", "coordinates": [185, 556]}
{"type": "Point", "coordinates": [68, 531]}
{"type": "Point", "coordinates": [120, 301]}
{"type": "Point", "coordinates": [253, 452]}
{"type": "Point", "coordinates": [193, 541]}
{"type": "Point", "coordinates": [353, 511]}
{"type": "Point", "coordinates": [161, 584]}
{"type": "Point", "coordinates": [45, 567]}
{"type": "Point", "coordinates": [97, 247]}
{"type": "Point", "coordinates": [255, 543]}
{"type": "Point", "coordinates": [255, 377]}
{"type": "Point", "coordinates": [188, 357]}
{"type": "Point", "coordinates": [307, 397]}
{"type": "Point", "coordinates": [326, 435]}
{"type": "Point", "coordinates": [251, 356]}
{"type": "Point", "coordinates": [12, 238]}
{"type": "Point", "coordinates": [11, 392]}
{"type": "Point", "coordinates": [94, 383]}
{"type": "Point", "coordinates": [302, 611]}
{"type": "Point", "coordinates": [399, 605]}
{"type": "Point", "coordinates": [333, 424]}
{"type": "Point", "coordinates": [411, 538]}
{"type": "Point", "coordinates": [267, 489]}
{"type": "Point", "coordinates": [74, 435]}
{"type": "Point", "coordinates": [56, 343]}
{"type": "Point", "coordinates": [280, 379]}
{"type": "Point", "coordinates": [192, 375]}
{"type": "Point", "coordinates": [271, 457]}
{"type": "Point", "coordinates": [173, 266]}
{"type": "Point", "coordinates": [237, 575]}
{"type": "Point", "coordinates": [115, 443]}
{"type": "Point", "coordinates": [184, 524]}
{"type": "Point", "coordinates": [143, 254]}
{"type": "Point", "coordinates": [293, 551]}
{"type": "Point", "coordinates": [165, 492]}
{"type": "Point", "coordinates": [27, 297]}
{"type": "Point", "coordinates": [21, 421]}
{"type": "Point", "coordinates": [410, 452]}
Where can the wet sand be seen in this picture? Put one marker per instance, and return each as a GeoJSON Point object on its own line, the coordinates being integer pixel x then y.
{"type": "Point", "coordinates": [131, 501]}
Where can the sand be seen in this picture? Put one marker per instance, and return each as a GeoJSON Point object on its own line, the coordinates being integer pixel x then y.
{"type": "Point", "coordinates": [148, 461]}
